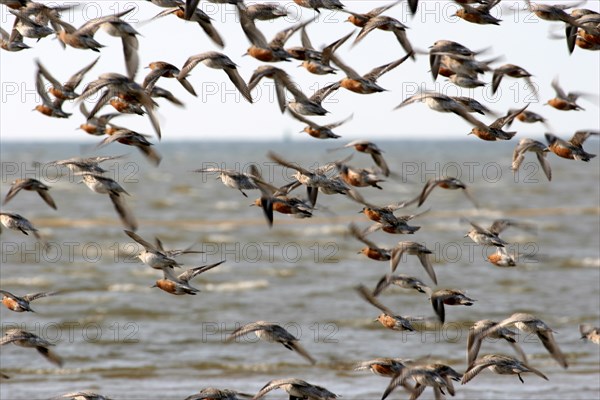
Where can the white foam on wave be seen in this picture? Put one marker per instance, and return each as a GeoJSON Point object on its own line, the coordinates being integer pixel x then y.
{"type": "Point", "coordinates": [591, 262]}
{"type": "Point", "coordinates": [33, 281]}
{"type": "Point", "coordinates": [236, 286]}
{"type": "Point", "coordinates": [127, 287]}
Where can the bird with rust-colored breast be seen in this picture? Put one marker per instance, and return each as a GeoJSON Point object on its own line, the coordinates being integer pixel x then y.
{"type": "Point", "coordinates": [21, 303]}
{"type": "Point", "coordinates": [573, 148]}
{"type": "Point", "coordinates": [179, 285]}
{"type": "Point", "coordinates": [387, 318]}
{"type": "Point", "coordinates": [196, 15]}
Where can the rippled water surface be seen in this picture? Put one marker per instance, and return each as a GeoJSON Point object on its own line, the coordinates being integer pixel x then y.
{"type": "Point", "coordinates": [124, 339]}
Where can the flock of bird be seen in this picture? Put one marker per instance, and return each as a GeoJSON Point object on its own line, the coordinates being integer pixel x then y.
{"type": "Point", "coordinates": [450, 59]}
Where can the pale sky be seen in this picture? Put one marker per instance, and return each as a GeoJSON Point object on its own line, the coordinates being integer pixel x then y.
{"type": "Point", "coordinates": [219, 112]}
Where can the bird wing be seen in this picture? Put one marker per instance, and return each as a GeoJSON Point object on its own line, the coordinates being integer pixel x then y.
{"type": "Point", "coordinates": [255, 36]}
{"type": "Point", "coordinates": [469, 196]}
{"type": "Point", "coordinates": [426, 263]}
{"type": "Point", "coordinates": [274, 384]}
{"type": "Point", "coordinates": [560, 93]}
{"type": "Point", "coordinates": [377, 72]}
{"type": "Point", "coordinates": [12, 192]}
{"type": "Point", "coordinates": [325, 91]}
{"type": "Point", "coordinates": [473, 345]}
{"type": "Point", "coordinates": [287, 164]}
{"type": "Point", "coordinates": [191, 63]}
{"type": "Point", "coordinates": [329, 50]}
{"type": "Point", "coordinates": [581, 136]}
{"type": "Point", "coordinates": [9, 294]}
{"type": "Point", "coordinates": [500, 122]}
{"type": "Point", "coordinates": [350, 73]}
{"type": "Point", "coordinates": [379, 10]}
{"type": "Point", "coordinates": [248, 328]}
{"type": "Point", "coordinates": [338, 123]}
{"type": "Point", "coordinates": [50, 355]}
{"type": "Point", "coordinates": [427, 189]}
{"type": "Point", "coordinates": [90, 27]}
{"type": "Point", "coordinates": [396, 256]}
{"type": "Point", "coordinates": [372, 24]}
{"type": "Point", "coordinates": [356, 232]}
{"type": "Point", "coordinates": [282, 36]}
{"type": "Point", "coordinates": [239, 83]}
{"type": "Point", "coordinates": [545, 164]}
{"type": "Point", "coordinates": [41, 90]}
{"type": "Point", "coordinates": [438, 307]}
{"type": "Point", "coordinates": [186, 276]}
{"type": "Point", "coordinates": [368, 297]}
{"type": "Point", "coordinates": [303, 120]}
{"type": "Point", "coordinates": [47, 198]}
{"type": "Point", "coordinates": [496, 79]}
{"type": "Point", "coordinates": [305, 40]}
{"type": "Point", "coordinates": [35, 296]}
{"type": "Point", "coordinates": [475, 369]}
{"type": "Point", "coordinates": [147, 245]}
{"type": "Point", "coordinates": [190, 8]}
{"type": "Point", "coordinates": [550, 344]}
{"type": "Point", "coordinates": [212, 33]}
{"type": "Point", "coordinates": [124, 212]}
{"type": "Point", "coordinates": [76, 79]}
{"type": "Point", "coordinates": [42, 70]}
{"type": "Point", "coordinates": [382, 284]}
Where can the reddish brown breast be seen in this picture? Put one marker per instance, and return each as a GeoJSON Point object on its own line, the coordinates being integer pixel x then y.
{"type": "Point", "coordinates": [316, 133]}
{"type": "Point", "coordinates": [166, 285]}
{"type": "Point", "coordinates": [389, 229]}
{"type": "Point", "coordinates": [494, 258]}
{"type": "Point", "coordinates": [353, 85]}
{"type": "Point", "coordinates": [372, 214]}
{"type": "Point", "coordinates": [89, 128]}
{"type": "Point", "coordinates": [383, 370]}
{"type": "Point", "coordinates": [452, 301]}
{"type": "Point", "coordinates": [387, 321]}
{"type": "Point", "coordinates": [119, 105]}
{"type": "Point", "coordinates": [362, 147]}
{"type": "Point", "coordinates": [560, 104]}
{"type": "Point", "coordinates": [469, 17]}
{"type": "Point", "coordinates": [11, 304]}
{"type": "Point", "coordinates": [358, 21]}
{"type": "Point", "coordinates": [590, 38]}
{"type": "Point", "coordinates": [265, 55]}
{"type": "Point", "coordinates": [483, 134]}
{"type": "Point", "coordinates": [282, 208]}
{"type": "Point", "coordinates": [57, 93]}
{"type": "Point", "coordinates": [561, 151]}
{"type": "Point", "coordinates": [443, 71]}
{"type": "Point", "coordinates": [375, 254]}
{"type": "Point", "coordinates": [44, 110]}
